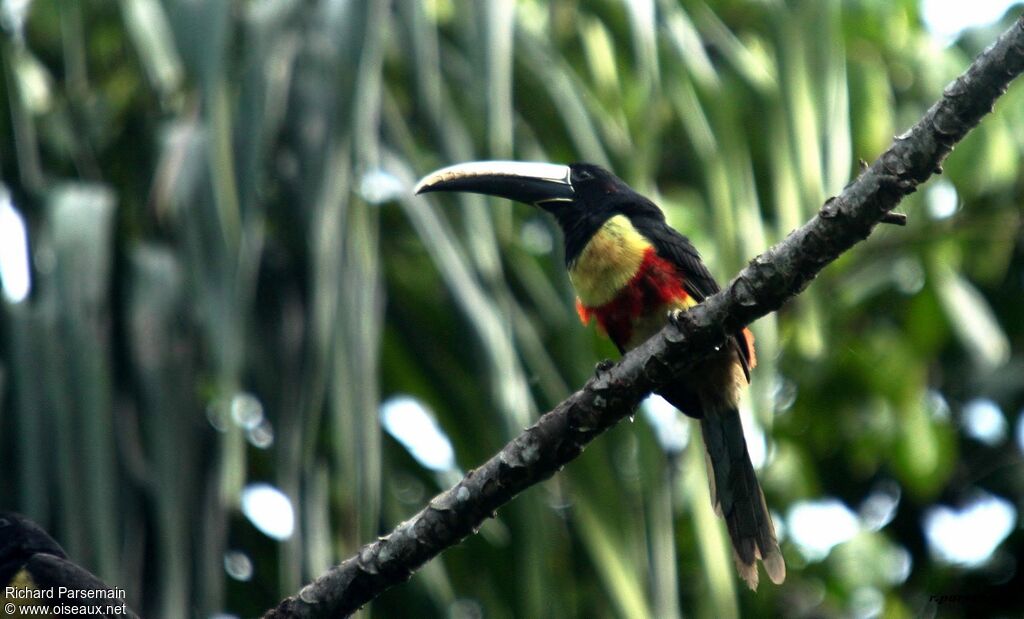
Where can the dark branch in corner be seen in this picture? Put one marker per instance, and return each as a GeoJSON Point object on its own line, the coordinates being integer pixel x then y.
{"type": "Point", "coordinates": [762, 287]}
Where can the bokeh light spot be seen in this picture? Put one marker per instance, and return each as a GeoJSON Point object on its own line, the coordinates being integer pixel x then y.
{"type": "Point", "coordinates": [269, 510]}
{"type": "Point", "coordinates": [947, 20]}
{"type": "Point", "coordinates": [983, 420]}
{"type": "Point", "coordinates": [238, 565]}
{"type": "Point", "coordinates": [819, 526]}
{"type": "Point", "coordinates": [15, 276]}
{"type": "Point", "coordinates": [670, 427]}
{"type": "Point", "coordinates": [970, 535]}
{"type": "Point", "coordinates": [413, 425]}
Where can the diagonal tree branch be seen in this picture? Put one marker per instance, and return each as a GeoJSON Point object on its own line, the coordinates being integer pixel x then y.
{"type": "Point", "coordinates": [614, 392]}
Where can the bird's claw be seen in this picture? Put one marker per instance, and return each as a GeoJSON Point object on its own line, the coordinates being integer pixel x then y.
{"type": "Point", "coordinates": [603, 366]}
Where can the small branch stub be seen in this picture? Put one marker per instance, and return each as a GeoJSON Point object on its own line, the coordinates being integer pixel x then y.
{"type": "Point", "coordinates": [896, 219]}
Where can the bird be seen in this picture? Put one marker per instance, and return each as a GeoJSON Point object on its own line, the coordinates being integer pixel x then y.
{"type": "Point", "coordinates": [631, 271]}
{"type": "Point", "coordinates": [36, 572]}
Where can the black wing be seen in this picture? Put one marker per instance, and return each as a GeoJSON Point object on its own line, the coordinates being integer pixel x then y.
{"type": "Point", "coordinates": [26, 548]}
{"type": "Point", "coordinates": [20, 538]}
{"type": "Point", "coordinates": [697, 280]}
{"type": "Point", "coordinates": [677, 249]}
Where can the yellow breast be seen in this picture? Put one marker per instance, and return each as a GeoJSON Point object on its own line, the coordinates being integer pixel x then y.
{"type": "Point", "coordinates": [22, 581]}
{"type": "Point", "coordinates": [608, 261]}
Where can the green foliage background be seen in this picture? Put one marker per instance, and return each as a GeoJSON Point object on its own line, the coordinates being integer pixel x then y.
{"type": "Point", "coordinates": [220, 219]}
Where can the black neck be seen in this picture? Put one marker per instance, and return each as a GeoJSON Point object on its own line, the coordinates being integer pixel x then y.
{"type": "Point", "coordinates": [578, 231]}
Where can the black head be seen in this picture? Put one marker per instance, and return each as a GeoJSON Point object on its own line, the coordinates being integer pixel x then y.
{"type": "Point", "coordinates": [581, 196]}
{"type": "Point", "coordinates": [20, 538]}
{"type": "Point", "coordinates": [594, 185]}
{"type": "Point", "coordinates": [599, 195]}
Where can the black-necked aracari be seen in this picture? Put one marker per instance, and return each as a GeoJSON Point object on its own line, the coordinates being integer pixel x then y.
{"type": "Point", "coordinates": [36, 575]}
{"type": "Point", "coordinates": [630, 270]}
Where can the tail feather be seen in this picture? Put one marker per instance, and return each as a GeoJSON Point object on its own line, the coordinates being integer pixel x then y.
{"type": "Point", "coordinates": [737, 496]}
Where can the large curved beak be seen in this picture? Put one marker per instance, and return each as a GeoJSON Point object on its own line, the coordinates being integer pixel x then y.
{"type": "Point", "coordinates": [532, 183]}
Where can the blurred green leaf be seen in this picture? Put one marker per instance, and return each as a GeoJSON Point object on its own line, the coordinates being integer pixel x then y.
{"type": "Point", "coordinates": [971, 318]}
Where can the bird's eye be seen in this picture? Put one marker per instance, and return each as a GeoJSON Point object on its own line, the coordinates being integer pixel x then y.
{"type": "Point", "coordinates": [584, 175]}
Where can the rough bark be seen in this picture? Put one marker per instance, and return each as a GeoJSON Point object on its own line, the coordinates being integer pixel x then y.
{"type": "Point", "coordinates": [614, 392]}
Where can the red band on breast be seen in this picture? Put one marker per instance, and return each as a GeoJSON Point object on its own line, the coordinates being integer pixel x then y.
{"type": "Point", "coordinates": [748, 341]}
{"type": "Point", "coordinates": [582, 311]}
{"type": "Point", "coordinates": [656, 284]}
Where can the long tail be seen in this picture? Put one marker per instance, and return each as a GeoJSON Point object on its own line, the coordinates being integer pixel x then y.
{"type": "Point", "coordinates": [737, 496]}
